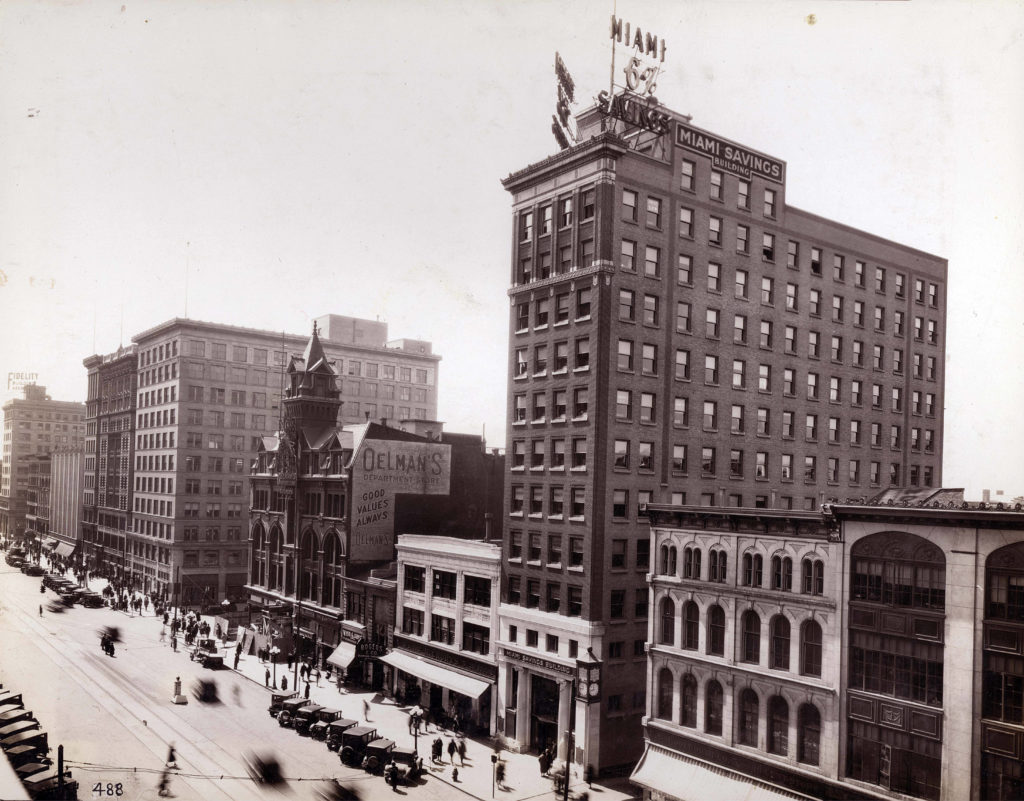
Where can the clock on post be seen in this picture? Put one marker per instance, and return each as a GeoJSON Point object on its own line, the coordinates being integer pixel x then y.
{"type": "Point", "coordinates": [588, 680]}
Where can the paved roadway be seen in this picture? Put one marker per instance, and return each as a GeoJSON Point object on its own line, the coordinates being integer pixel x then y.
{"type": "Point", "coordinates": [115, 718]}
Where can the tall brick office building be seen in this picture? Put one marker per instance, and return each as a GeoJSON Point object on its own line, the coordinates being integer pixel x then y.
{"type": "Point", "coordinates": [679, 334]}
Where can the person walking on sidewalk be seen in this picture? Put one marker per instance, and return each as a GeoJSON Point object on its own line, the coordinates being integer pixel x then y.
{"type": "Point", "coordinates": [306, 693]}
{"type": "Point", "coordinates": [452, 748]}
{"type": "Point", "coordinates": [462, 751]}
{"type": "Point", "coordinates": [366, 710]}
{"type": "Point", "coordinates": [436, 749]}
{"type": "Point", "coordinates": [266, 677]}
{"type": "Point", "coordinates": [236, 660]}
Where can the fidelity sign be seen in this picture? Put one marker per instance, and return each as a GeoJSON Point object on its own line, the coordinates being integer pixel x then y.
{"type": "Point", "coordinates": [18, 380]}
{"type": "Point", "coordinates": [729, 156]}
{"type": "Point", "coordinates": [381, 470]}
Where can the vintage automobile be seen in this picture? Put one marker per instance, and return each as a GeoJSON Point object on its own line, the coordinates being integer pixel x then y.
{"type": "Point", "coordinates": [205, 653]}
{"type": "Point", "coordinates": [264, 769]}
{"type": "Point", "coordinates": [26, 724]}
{"type": "Point", "coordinates": [304, 717]}
{"type": "Point", "coordinates": [353, 744]}
{"type": "Point", "coordinates": [205, 691]}
{"type": "Point", "coordinates": [334, 731]}
{"type": "Point", "coordinates": [49, 785]}
{"type": "Point", "coordinates": [377, 755]}
{"type": "Point", "coordinates": [288, 709]}
{"type": "Point", "coordinates": [23, 754]}
{"type": "Point", "coordinates": [9, 698]}
{"type": "Point", "coordinates": [70, 595]}
{"type": "Point", "coordinates": [32, 569]}
{"type": "Point", "coordinates": [8, 716]}
{"type": "Point", "coordinates": [325, 715]}
{"type": "Point", "coordinates": [92, 600]}
{"type": "Point", "coordinates": [33, 737]}
{"type": "Point", "coordinates": [276, 700]}
{"type": "Point", "coordinates": [408, 764]}
{"type": "Point", "coordinates": [50, 578]}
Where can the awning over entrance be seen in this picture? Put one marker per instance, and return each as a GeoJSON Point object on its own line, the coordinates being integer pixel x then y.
{"type": "Point", "coordinates": [435, 674]}
{"type": "Point", "coordinates": [343, 655]}
{"type": "Point", "coordinates": [688, 779]}
{"type": "Point", "coordinates": [64, 549]}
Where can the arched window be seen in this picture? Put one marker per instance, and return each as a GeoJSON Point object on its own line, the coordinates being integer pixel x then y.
{"type": "Point", "coordinates": [753, 568]}
{"type": "Point", "coordinates": [717, 566]}
{"type": "Point", "coordinates": [663, 561]}
{"type": "Point", "coordinates": [716, 631]}
{"type": "Point", "coordinates": [750, 646]}
{"type": "Point", "coordinates": [778, 725]}
{"type": "Point", "coordinates": [691, 563]}
{"type": "Point", "coordinates": [779, 658]}
{"type": "Point", "coordinates": [333, 570]}
{"type": "Point", "coordinates": [274, 558]}
{"type": "Point", "coordinates": [688, 710]}
{"type": "Point", "coordinates": [747, 718]}
{"type": "Point", "coordinates": [671, 560]}
{"type": "Point", "coordinates": [668, 622]}
{"type": "Point", "coordinates": [309, 576]}
{"type": "Point", "coordinates": [1003, 675]}
{"type": "Point", "coordinates": [259, 556]}
{"type": "Point", "coordinates": [808, 721]}
{"type": "Point", "coordinates": [664, 710]}
{"type": "Point", "coordinates": [810, 648]}
{"type": "Point", "coordinates": [813, 577]}
{"type": "Point", "coordinates": [713, 708]}
{"type": "Point", "coordinates": [691, 626]}
{"type": "Point", "coordinates": [782, 573]}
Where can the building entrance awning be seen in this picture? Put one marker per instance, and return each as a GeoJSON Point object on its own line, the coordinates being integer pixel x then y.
{"type": "Point", "coordinates": [688, 779]}
{"type": "Point", "coordinates": [435, 674]}
{"type": "Point", "coordinates": [343, 655]}
{"type": "Point", "coordinates": [64, 549]}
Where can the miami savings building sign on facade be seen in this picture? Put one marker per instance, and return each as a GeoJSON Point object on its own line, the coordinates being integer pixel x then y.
{"type": "Point", "coordinates": [729, 156]}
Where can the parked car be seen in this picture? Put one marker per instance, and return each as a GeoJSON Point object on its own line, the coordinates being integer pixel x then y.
{"type": "Point", "coordinates": [304, 717]}
{"type": "Point", "coordinates": [23, 754]}
{"type": "Point", "coordinates": [408, 763]}
{"type": "Point", "coordinates": [377, 755]}
{"type": "Point", "coordinates": [288, 709]}
{"type": "Point", "coordinates": [353, 744]}
{"type": "Point", "coordinates": [9, 716]}
{"type": "Point", "coordinates": [32, 570]}
{"type": "Point", "coordinates": [50, 578]}
{"type": "Point", "coordinates": [92, 600]}
{"type": "Point", "coordinates": [334, 731]}
{"type": "Point", "coordinates": [25, 724]}
{"type": "Point", "coordinates": [276, 700]}
{"type": "Point", "coordinates": [10, 698]}
{"type": "Point", "coordinates": [36, 737]}
{"type": "Point", "coordinates": [318, 726]}
{"type": "Point", "coordinates": [49, 786]}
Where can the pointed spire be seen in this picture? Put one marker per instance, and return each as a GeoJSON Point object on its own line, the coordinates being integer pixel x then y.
{"type": "Point", "coordinates": [314, 354]}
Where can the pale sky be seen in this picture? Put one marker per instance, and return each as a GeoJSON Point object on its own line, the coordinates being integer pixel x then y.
{"type": "Point", "coordinates": [301, 158]}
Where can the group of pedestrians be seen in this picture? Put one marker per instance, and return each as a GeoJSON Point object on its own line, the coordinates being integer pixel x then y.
{"type": "Point", "coordinates": [437, 749]}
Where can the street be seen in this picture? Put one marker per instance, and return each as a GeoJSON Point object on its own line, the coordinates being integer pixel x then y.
{"type": "Point", "coordinates": [115, 718]}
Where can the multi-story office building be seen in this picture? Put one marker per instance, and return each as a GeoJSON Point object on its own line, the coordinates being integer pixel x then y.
{"type": "Point", "coordinates": [207, 393]}
{"type": "Point", "coordinates": [447, 616]}
{"type": "Point", "coordinates": [107, 543]}
{"type": "Point", "coordinates": [327, 502]}
{"type": "Point", "coordinates": [34, 424]}
{"type": "Point", "coordinates": [861, 652]}
{"type": "Point", "coordinates": [67, 479]}
{"type": "Point", "coordinates": [37, 500]}
{"type": "Point", "coordinates": [679, 333]}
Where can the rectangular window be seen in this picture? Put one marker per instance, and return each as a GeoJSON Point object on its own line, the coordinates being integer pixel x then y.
{"type": "Point", "coordinates": [740, 290]}
{"type": "Point", "coordinates": [681, 412]}
{"type": "Point", "coordinates": [627, 305]}
{"type": "Point", "coordinates": [716, 184]}
{"type": "Point", "coordinates": [687, 173]}
{"type": "Point", "coordinates": [650, 310]}
{"type": "Point", "coordinates": [793, 255]}
{"type": "Point", "coordinates": [743, 194]}
{"type": "Point", "coordinates": [627, 256]}
{"type": "Point", "coordinates": [768, 247]}
{"type": "Point", "coordinates": [769, 202]}
{"type": "Point", "coordinates": [682, 317]}
{"type": "Point", "coordinates": [686, 222]}
{"type": "Point", "coordinates": [652, 262]}
{"type": "Point", "coordinates": [629, 205]}
{"type": "Point", "coordinates": [653, 212]}
{"type": "Point", "coordinates": [684, 270]}
{"type": "Point", "coordinates": [715, 230]}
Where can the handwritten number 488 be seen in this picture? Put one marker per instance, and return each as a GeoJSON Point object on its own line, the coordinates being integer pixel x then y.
{"type": "Point", "coordinates": [101, 789]}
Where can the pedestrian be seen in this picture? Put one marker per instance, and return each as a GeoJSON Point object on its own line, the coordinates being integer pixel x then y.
{"type": "Point", "coordinates": [174, 641]}
{"type": "Point", "coordinates": [316, 676]}
{"type": "Point", "coordinates": [455, 774]}
{"type": "Point", "coordinates": [40, 610]}
{"type": "Point", "coordinates": [392, 772]}
{"type": "Point", "coordinates": [284, 683]}
{"type": "Point", "coordinates": [366, 710]}
{"type": "Point", "coordinates": [542, 761]}
{"type": "Point", "coordinates": [291, 658]}
{"type": "Point", "coordinates": [238, 649]}
{"type": "Point", "coordinates": [452, 748]}
{"type": "Point", "coordinates": [499, 773]}
{"type": "Point", "coordinates": [462, 751]}
{"type": "Point", "coordinates": [266, 677]}
{"type": "Point", "coordinates": [236, 693]}
{"type": "Point", "coordinates": [435, 749]}
{"type": "Point", "coordinates": [172, 758]}
{"type": "Point", "coordinates": [306, 695]}
{"type": "Point", "coordinates": [236, 660]}
{"type": "Point", "coordinates": [163, 788]}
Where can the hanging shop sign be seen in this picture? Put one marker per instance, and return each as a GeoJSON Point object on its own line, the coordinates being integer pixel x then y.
{"type": "Point", "coordinates": [729, 156]}
{"type": "Point", "coordinates": [563, 126]}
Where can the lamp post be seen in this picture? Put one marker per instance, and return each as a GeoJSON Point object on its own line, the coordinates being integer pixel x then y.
{"type": "Point", "coordinates": [274, 651]}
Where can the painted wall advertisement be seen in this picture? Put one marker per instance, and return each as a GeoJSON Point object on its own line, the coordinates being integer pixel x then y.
{"type": "Point", "coordinates": [382, 469]}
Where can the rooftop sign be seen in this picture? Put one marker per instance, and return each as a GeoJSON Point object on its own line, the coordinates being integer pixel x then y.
{"type": "Point", "coordinates": [729, 156]}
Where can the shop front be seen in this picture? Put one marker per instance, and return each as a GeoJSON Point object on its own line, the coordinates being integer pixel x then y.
{"type": "Point", "coordinates": [538, 702]}
{"type": "Point", "coordinates": [453, 687]}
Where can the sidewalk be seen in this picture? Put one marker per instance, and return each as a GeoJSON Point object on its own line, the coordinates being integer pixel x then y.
{"type": "Point", "coordinates": [523, 779]}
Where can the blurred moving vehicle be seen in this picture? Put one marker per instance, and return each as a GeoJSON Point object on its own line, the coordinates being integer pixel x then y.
{"type": "Point", "coordinates": [205, 691]}
{"type": "Point", "coordinates": [264, 769]}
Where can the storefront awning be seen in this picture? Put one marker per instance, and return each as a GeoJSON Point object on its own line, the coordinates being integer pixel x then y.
{"type": "Point", "coordinates": [688, 779]}
{"type": "Point", "coordinates": [343, 655]}
{"type": "Point", "coordinates": [435, 674]}
{"type": "Point", "coordinates": [64, 549]}
{"type": "Point", "coordinates": [49, 542]}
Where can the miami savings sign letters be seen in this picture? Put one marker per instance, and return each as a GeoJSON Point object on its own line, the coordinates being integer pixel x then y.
{"type": "Point", "coordinates": [729, 156]}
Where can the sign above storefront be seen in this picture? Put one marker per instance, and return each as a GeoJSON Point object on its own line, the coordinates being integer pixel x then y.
{"type": "Point", "coordinates": [729, 156]}
{"type": "Point", "coordinates": [537, 661]}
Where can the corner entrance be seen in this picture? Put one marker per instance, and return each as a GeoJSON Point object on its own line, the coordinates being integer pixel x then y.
{"type": "Point", "coordinates": [543, 713]}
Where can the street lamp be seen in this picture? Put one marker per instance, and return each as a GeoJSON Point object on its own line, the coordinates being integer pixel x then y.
{"type": "Point", "coordinates": [274, 651]}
